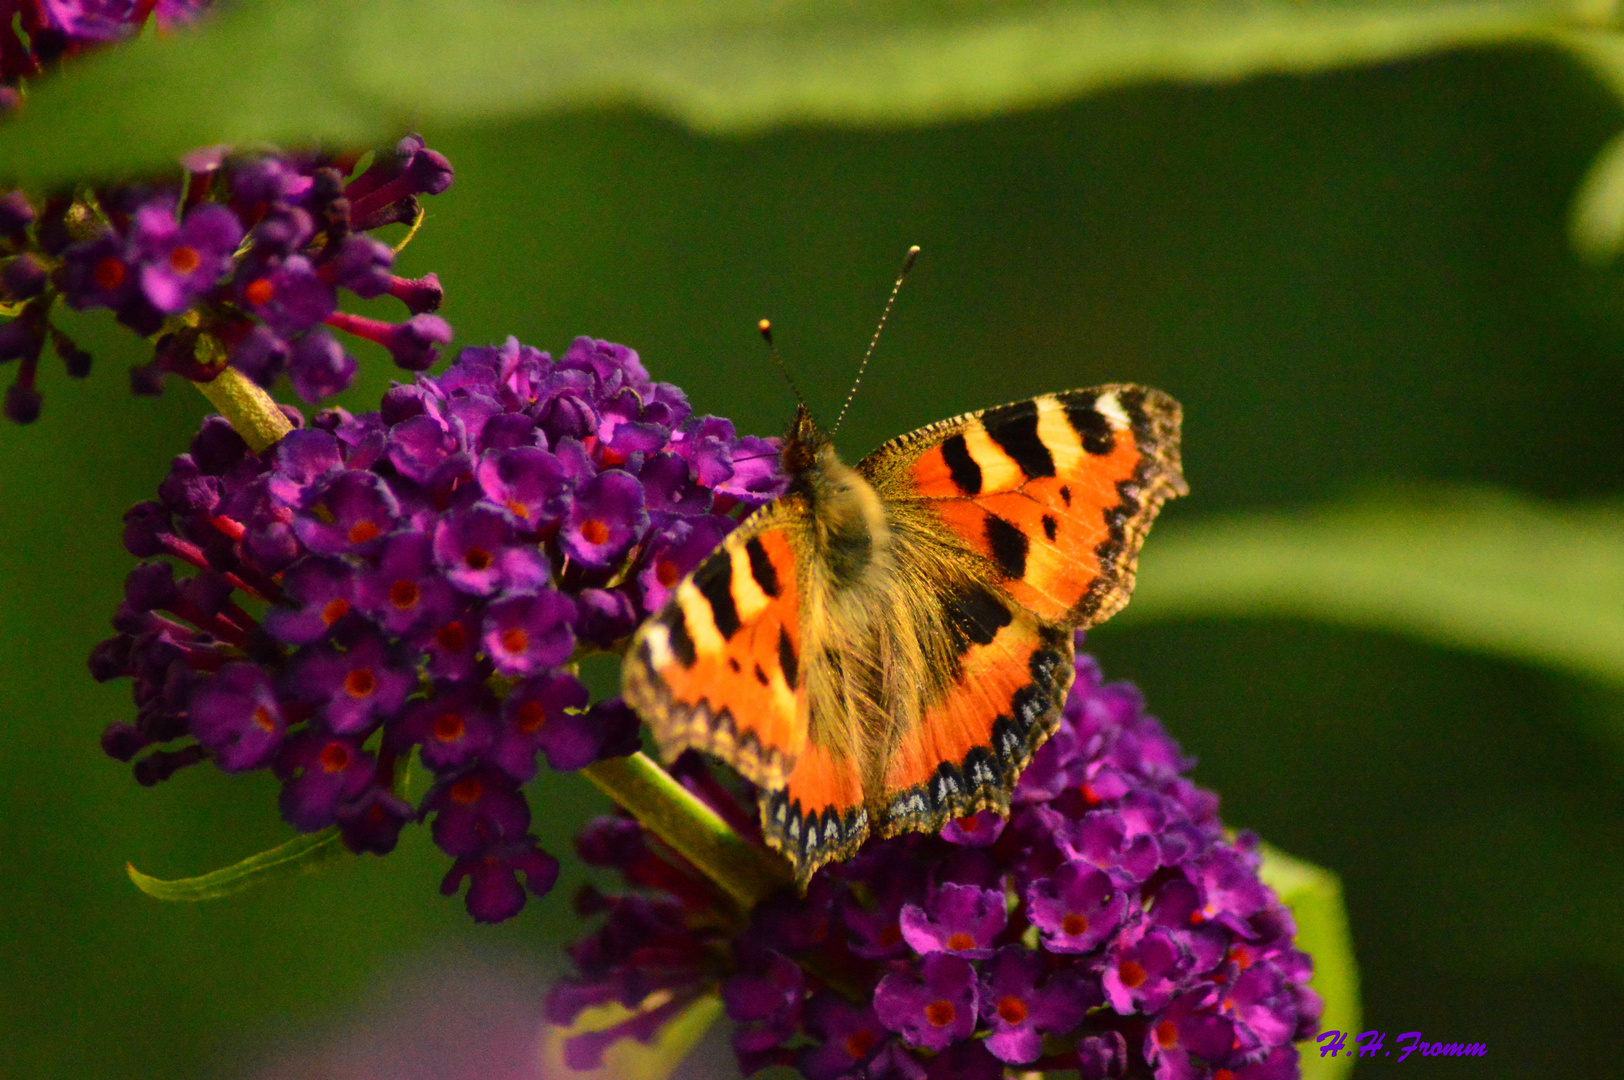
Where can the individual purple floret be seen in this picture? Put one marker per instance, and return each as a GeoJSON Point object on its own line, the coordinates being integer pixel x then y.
{"type": "Point", "coordinates": [403, 588]}
{"type": "Point", "coordinates": [1021, 999]}
{"type": "Point", "coordinates": [414, 344]}
{"type": "Point", "coordinates": [245, 260]}
{"type": "Point", "coordinates": [528, 633]}
{"type": "Point", "coordinates": [321, 772]}
{"type": "Point", "coordinates": [545, 713]}
{"type": "Point", "coordinates": [236, 717]}
{"type": "Point", "coordinates": [1075, 908]}
{"type": "Point", "coordinates": [607, 515]}
{"type": "Point", "coordinates": [933, 1009]}
{"type": "Point", "coordinates": [402, 582]}
{"type": "Point", "coordinates": [452, 727]}
{"type": "Point", "coordinates": [1108, 927]}
{"type": "Point", "coordinates": [961, 919]}
{"type": "Point", "coordinates": [181, 262]}
{"type": "Point", "coordinates": [287, 295]}
{"type": "Point", "coordinates": [846, 1037]}
{"type": "Point", "coordinates": [494, 894]}
{"type": "Point", "coordinates": [352, 685]}
{"type": "Point", "coordinates": [481, 552]}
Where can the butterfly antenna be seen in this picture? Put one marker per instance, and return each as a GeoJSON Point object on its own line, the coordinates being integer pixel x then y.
{"type": "Point", "coordinates": [907, 264]}
{"type": "Point", "coordinates": [766, 329]}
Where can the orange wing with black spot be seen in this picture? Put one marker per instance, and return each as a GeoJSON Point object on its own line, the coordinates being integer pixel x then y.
{"type": "Point", "coordinates": [718, 669]}
{"type": "Point", "coordinates": [1055, 494]}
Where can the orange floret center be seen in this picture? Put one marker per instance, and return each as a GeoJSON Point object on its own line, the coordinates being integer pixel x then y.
{"type": "Point", "coordinates": [360, 683]}
{"type": "Point", "coordinates": [259, 291]}
{"type": "Point", "coordinates": [530, 716]}
{"type": "Point", "coordinates": [1011, 1009]}
{"type": "Point", "coordinates": [109, 273]}
{"type": "Point", "coordinates": [184, 260]}
{"type": "Point", "coordinates": [448, 727]}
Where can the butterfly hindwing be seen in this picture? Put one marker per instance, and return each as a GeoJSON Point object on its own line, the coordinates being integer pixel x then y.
{"type": "Point", "coordinates": [973, 741]}
{"type": "Point", "coordinates": [818, 816]}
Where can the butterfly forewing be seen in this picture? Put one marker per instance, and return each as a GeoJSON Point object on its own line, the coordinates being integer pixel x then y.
{"type": "Point", "coordinates": [1055, 493]}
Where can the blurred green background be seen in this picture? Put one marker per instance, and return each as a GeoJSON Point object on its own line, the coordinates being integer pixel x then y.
{"type": "Point", "coordinates": [1353, 281]}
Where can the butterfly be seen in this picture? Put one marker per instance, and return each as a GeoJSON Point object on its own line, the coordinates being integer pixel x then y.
{"type": "Point", "coordinates": [885, 647]}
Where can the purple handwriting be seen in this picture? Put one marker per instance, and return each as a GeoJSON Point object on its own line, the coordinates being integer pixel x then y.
{"type": "Point", "coordinates": [1370, 1043]}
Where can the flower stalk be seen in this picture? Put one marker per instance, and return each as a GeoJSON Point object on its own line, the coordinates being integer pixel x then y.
{"type": "Point", "coordinates": [746, 872]}
{"type": "Point", "coordinates": [252, 412]}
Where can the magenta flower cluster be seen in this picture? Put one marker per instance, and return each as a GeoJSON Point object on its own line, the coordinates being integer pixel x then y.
{"type": "Point", "coordinates": [1106, 927]}
{"type": "Point", "coordinates": [242, 263]}
{"type": "Point", "coordinates": [420, 579]}
{"type": "Point", "coordinates": [54, 29]}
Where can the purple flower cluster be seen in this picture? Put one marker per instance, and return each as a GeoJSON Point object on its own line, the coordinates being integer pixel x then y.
{"type": "Point", "coordinates": [242, 263]}
{"type": "Point", "coordinates": [1107, 927]}
{"type": "Point", "coordinates": [55, 29]}
{"type": "Point", "coordinates": [424, 577]}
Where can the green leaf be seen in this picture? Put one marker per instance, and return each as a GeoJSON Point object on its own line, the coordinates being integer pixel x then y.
{"type": "Point", "coordinates": [1467, 568]}
{"type": "Point", "coordinates": [628, 1059]}
{"type": "Point", "coordinates": [1314, 896]}
{"type": "Point", "coordinates": [359, 72]}
{"type": "Point", "coordinates": [1596, 219]}
{"type": "Point", "coordinates": [300, 855]}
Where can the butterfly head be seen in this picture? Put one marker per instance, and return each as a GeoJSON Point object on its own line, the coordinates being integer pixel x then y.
{"type": "Point", "coordinates": [803, 445]}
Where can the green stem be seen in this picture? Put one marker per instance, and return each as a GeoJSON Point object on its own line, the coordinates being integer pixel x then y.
{"type": "Point", "coordinates": [747, 873]}
{"type": "Point", "coordinates": [252, 412]}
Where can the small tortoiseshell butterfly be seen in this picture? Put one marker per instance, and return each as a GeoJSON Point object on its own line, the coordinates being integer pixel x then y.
{"type": "Point", "coordinates": [884, 648]}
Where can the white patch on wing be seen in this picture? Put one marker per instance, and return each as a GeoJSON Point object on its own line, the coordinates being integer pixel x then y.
{"type": "Point", "coordinates": [1109, 407]}
{"type": "Point", "coordinates": [658, 639]}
